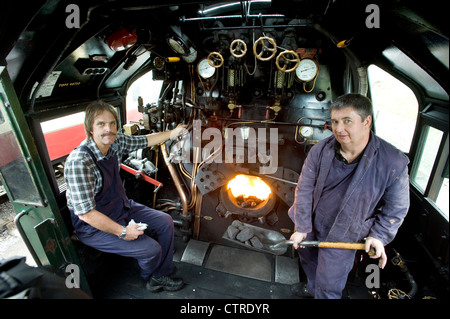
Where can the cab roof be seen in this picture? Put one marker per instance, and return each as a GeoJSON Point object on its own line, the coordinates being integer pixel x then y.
{"type": "Point", "coordinates": [37, 44]}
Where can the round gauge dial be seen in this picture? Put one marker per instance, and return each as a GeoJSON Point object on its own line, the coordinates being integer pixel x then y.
{"type": "Point", "coordinates": [307, 70]}
{"type": "Point", "coordinates": [177, 46]}
{"type": "Point", "coordinates": [306, 131]}
{"type": "Point", "coordinates": [204, 69]}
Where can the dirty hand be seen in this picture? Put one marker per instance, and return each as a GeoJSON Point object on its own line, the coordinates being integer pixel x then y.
{"type": "Point", "coordinates": [297, 238]}
{"type": "Point", "coordinates": [379, 250]}
{"type": "Point", "coordinates": [178, 131]}
{"type": "Point", "coordinates": [133, 232]}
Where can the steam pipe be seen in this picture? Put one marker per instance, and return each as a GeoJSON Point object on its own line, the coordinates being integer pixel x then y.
{"type": "Point", "coordinates": [397, 260]}
{"type": "Point", "coordinates": [176, 180]}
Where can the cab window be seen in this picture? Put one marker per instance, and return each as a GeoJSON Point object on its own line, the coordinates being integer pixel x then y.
{"type": "Point", "coordinates": [146, 88]}
{"type": "Point", "coordinates": [430, 172]}
{"type": "Point", "coordinates": [62, 135]}
{"type": "Point", "coordinates": [395, 108]}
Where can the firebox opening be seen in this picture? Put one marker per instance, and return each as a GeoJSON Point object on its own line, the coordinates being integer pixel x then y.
{"type": "Point", "coordinates": [249, 192]}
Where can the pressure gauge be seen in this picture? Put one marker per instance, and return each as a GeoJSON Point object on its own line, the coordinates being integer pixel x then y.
{"type": "Point", "coordinates": [204, 69]}
{"type": "Point", "coordinates": [177, 45]}
{"type": "Point", "coordinates": [306, 131]}
{"type": "Point", "coordinates": [307, 70]}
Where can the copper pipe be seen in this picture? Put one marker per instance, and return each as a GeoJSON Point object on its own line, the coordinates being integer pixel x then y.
{"type": "Point", "coordinates": [197, 216]}
{"type": "Point", "coordinates": [176, 180]}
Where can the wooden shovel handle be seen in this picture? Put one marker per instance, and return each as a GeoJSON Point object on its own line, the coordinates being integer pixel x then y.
{"type": "Point", "coordinates": [344, 245]}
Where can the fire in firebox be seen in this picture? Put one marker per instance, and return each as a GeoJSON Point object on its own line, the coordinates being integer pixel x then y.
{"type": "Point", "coordinates": [248, 191]}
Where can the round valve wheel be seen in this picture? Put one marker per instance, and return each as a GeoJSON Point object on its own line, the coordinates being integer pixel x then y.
{"type": "Point", "coordinates": [215, 59]}
{"type": "Point", "coordinates": [238, 48]}
{"type": "Point", "coordinates": [267, 45]}
{"type": "Point", "coordinates": [285, 58]}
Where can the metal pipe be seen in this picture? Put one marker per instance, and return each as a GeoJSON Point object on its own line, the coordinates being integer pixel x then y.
{"type": "Point", "coordinates": [397, 260]}
{"type": "Point", "coordinates": [281, 180]}
{"type": "Point", "coordinates": [234, 16]}
{"type": "Point", "coordinates": [176, 180]}
{"type": "Point", "coordinates": [248, 27]}
{"type": "Point", "coordinates": [197, 216]}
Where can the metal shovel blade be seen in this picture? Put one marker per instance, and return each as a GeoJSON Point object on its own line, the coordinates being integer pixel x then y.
{"type": "Point", "coordinates": [270, 240]}
{"type": "Point", "coordinates": [280, 248]}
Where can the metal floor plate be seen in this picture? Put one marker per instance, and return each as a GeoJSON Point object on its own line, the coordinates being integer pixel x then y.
{"type": "Point", "coordinates": [240, 262]}
{"type": "Point", "coordinates": [286, 270]}
{"type": "Point", "coordinates": [195, 252]}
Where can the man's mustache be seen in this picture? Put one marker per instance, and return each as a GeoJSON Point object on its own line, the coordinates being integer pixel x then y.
{"type": "Point", "coordinates": [108, 134]}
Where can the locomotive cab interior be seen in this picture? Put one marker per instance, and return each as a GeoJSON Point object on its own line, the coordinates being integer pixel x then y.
{"type": "Point", "coordinates": [253, 81]}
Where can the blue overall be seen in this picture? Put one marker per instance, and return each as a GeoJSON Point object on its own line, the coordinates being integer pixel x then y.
{"type": "Point", "coordinates": [327, 269]}
{"type": "Point", "coordinates": [154, 255]}
{"type": "Point", "coordinates": [347, 202]}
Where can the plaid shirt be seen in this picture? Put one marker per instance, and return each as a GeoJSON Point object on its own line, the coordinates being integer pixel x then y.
{"type": "Point", "coordinates": [83, 178]}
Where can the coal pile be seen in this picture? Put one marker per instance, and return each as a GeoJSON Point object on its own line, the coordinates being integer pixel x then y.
{"type": "Point", "coordinates": [244, 234]}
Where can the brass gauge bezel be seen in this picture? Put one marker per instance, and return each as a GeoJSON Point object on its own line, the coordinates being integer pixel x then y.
{"type": "Point", "coordinates": [204, 69]}
{"type": "Point", "coordinates": [306, 131]}
{"type": "Point", "coordinates": [302, 71]}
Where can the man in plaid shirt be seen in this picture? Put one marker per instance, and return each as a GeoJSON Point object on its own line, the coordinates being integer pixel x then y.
{"type": "Point", "coordinates": [99, 207]}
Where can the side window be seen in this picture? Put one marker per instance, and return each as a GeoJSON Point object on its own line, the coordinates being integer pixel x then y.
{"type": "Point", "coordinates": [429, 173]}
{"type": "Point", "coordinates": [395, 108]}
{"type": "Point", "coordinates": [62, 135]}
{"type": "Point", "coordinates": [15, 170]}
{"type": "Point", "coordinates": [442, 199]}
{"type": "Point", "coordinates": [144, 87]}
{"type": "Point", "coordinates": [427, 153]}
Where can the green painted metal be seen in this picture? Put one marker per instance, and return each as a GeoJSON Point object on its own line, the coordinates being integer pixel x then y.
{"type": "Point", "coordinates": [22, 173]}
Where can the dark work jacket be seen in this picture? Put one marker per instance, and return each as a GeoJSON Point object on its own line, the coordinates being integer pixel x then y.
{"type": "Point", "coordinates": [375, 203]}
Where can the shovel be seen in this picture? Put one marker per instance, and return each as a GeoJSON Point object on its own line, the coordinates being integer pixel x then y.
{"type": "Point", "coordinates": [275, 243]}
{"type": "Point", "coordinates": [281, 247]}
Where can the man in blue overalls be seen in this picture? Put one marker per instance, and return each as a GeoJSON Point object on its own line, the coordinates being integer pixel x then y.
{"type": "Point", "coordinates": [99, 207]}
{"type": "Point", "coordinates": [353, 185]}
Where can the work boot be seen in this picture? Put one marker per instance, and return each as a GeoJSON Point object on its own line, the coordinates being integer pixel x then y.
{"type": "Point", "coordinates": [165, 282]}
{"type": "Point", "coordinates": [300, 290]}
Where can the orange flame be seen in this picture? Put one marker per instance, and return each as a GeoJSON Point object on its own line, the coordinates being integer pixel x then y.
{"type": "Point", "coordinates": [247, 186]}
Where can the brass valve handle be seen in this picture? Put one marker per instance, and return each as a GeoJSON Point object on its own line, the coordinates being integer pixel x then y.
{"type": "Point", "coordinates": [215, 59]}
{"type": "Point", "coordinates": [285, 58]}
{"type": "Point", "coordinates": [267, 45]}
{"type": "Point", "coordinates": [238, 48]}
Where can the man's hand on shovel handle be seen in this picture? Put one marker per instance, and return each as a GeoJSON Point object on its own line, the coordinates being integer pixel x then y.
{"type": "Point", "coordinates": [379, 250]}
{"type": "Point", "coordinates": [297, 238]}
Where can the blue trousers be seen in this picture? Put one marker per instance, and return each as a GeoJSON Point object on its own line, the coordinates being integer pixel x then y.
{"type": "Point", "coordinates": [154, 255]}
{"type": "Point", "coordinates": [326, 269]}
